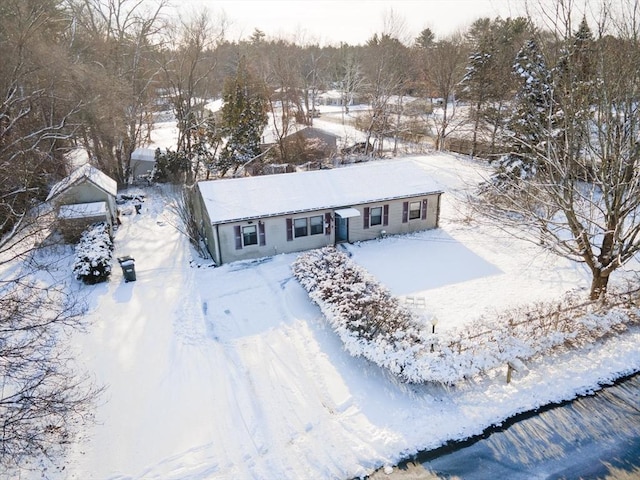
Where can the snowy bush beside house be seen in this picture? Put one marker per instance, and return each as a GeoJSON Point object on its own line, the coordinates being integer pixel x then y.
{"type": "Point", "coordinates": [93, 255]}
{"type": "Point", "coordinates": [368, 319]}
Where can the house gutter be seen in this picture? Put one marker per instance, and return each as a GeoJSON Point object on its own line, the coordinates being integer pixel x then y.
{"type": "Point", "coordinates": [327, 207]}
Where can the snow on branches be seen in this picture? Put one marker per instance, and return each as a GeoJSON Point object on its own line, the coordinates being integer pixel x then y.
{"type": "Point", "coordinates": [371, 323]}
{"type": "Point", "coordinates": [93, 255]}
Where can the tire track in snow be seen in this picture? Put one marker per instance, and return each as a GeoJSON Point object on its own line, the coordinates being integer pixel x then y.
{"type": "Point", "coordinates": [342, 422]}
{"type": "Point", "coordinates": [289, 411]}
{"type": "Point", "coordinates": [277, 402]}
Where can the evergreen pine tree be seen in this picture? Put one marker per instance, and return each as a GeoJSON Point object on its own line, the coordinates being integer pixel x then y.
{"type": "Point", "coordinates": [582, 53]}
{"type": "Point", "coordinates": [575, 81]}
{"type": "Point", "coordinates": [244, 117]}
{"type": "Point", "coordinates": [476, 85]}
{"type": "Point", "coordinates": [533, 117]}
{"type": "Point", "coordinates": [487, 83]}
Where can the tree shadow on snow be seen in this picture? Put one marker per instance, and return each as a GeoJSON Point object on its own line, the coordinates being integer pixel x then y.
{"type": "Point", "coordinates": [413, 263]}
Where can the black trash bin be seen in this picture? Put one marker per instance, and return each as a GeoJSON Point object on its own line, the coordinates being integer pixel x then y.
{"type": "Point", "coordinates": [128, 268]}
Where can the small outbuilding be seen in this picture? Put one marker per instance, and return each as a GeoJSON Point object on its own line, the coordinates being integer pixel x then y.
{"type": "Point", "coordinates": [84, 197]}
{"type": "Point", "coordinates": [142, 162]}
{"type": "Point", "coordinates": [252, 217]}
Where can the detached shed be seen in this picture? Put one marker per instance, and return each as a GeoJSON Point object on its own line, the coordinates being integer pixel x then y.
{"type": "Point", "coordinates": [142, 162]}
{"type": "Point", "coordinates": [254, 217]}
{"type": "Point", "coordinates": [84, 197]}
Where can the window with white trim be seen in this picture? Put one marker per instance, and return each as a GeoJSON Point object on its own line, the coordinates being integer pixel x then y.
{"type": "Point", "coordinates": [375, 217]}
{"type": "Point", "coordinates": [300, 227]}
{"type": "Point", "coordinates": [249, 235]}
{"type": "Point", "coordinates": [414, 210]}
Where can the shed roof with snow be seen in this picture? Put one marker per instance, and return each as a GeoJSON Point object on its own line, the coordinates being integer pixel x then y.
{"type": "Point", "coordinates": [144, 154]}
{"type": "Point", "coordinates": [244, 198]}
{"type": "Point", "coordinates": [142, 162]}
{"type": "Point", "coordinates": [85, 173]}
{"type": "Point", "coordinates": [83, 210]}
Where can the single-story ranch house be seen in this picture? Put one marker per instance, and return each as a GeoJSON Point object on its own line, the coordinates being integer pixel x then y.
{"type": "Point", "coordinates": [252, 217]}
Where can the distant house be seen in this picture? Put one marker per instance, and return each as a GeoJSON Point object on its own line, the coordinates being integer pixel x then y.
{"type": "Point", "coordinates": [313, 133]}
{"type": "Point", "coordinates": [331, 97]}
{"type": "Point", "coordinates": [254, 217]}
{"type": "Point", "coordinates": [302, 145]}
{"type": "Point", "coordinates": [84, 197]}
{"type": "Point", "coordinates": [296, 134]}
{"type": "Point", "coordinates": [142, 162]}
{"type": "Point", "coordinates": [337, 98]}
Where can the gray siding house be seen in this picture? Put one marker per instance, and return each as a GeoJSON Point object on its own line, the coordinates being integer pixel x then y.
{"type": "Point", "coordinates": [253, 217]}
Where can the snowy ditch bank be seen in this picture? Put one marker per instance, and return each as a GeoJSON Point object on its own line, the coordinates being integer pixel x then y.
{"type": "Point", "coordinates": [532, 448]}
{"type": "Point", "coordinates": [373, 324]}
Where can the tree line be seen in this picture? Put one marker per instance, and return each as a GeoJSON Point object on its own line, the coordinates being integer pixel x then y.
{"type": "Point", "coordinates": [93, 73]}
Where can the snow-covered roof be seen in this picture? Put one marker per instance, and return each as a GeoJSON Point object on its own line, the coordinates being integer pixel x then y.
{"type": "Point", "coordinates": [214, 105]}
{"type": "Point", "coordinates": [145, 154]}
{"type": "Point", "coordinates": [83, 210]}
{"type": "Point", "coordinates": [269, 195]}
{"type": "Point", "coordinates": [270, 136]}
{"type": "Point", "coordinates": [331, 94]}
{"type": "Point", "coordinates": [92, 174]}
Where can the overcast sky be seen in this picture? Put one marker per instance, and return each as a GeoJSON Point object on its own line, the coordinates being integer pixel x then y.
{"type": "Point", "coordinates": [350, 21]}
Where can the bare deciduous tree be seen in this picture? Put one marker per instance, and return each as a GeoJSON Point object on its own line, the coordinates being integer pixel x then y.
{"type": "Point", "coordinates": [285, 93]}
{"type": "Point", "coordinates": [188, 63]}
{"type": "Point", "coordinates": [442, 71]}
{"type": "Point", "coordinates": [42, 397]}
{"type": "Point", "coordinates": [35, 107]}
{"type": "Point", "coordinates": [385, 69]}
{"type": "Point", "coordinates": [584, 201]}
{"type": "Point", "coordinates": [350, 77]}
{"type": "Point", "coordinates": [115, 42]}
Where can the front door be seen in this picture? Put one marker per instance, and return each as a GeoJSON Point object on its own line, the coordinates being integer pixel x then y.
{"type": "Point", "coordinates": [342, 229]}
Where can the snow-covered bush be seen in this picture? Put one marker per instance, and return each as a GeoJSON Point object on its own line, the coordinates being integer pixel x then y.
{"type": "Point", "coordinates": [93, 255]}
{"type": "Point", "coordinates": [368, 319]}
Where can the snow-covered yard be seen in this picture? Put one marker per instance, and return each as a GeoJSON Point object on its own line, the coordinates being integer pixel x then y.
{"type": "Point", "coordinates": [231, 372]}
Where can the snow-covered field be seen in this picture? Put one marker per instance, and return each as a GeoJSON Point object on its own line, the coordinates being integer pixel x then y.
{"type": "Point", "coordinates": [231, 372]}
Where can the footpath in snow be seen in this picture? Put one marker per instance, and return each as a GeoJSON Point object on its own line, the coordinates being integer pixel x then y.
{"type": "Point", "coordinates": [231, 372]}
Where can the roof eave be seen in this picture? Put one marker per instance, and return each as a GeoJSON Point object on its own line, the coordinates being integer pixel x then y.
{"type": "Point", "coordinates": [325, 207]}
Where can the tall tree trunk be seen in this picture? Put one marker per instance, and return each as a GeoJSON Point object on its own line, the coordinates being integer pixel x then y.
{"type": "Point", "coordinates": [443, 127]}
{"type": "Point", "coordinates": [599, 284]}
{"type": "Point", "coordinates": [476, 126]}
